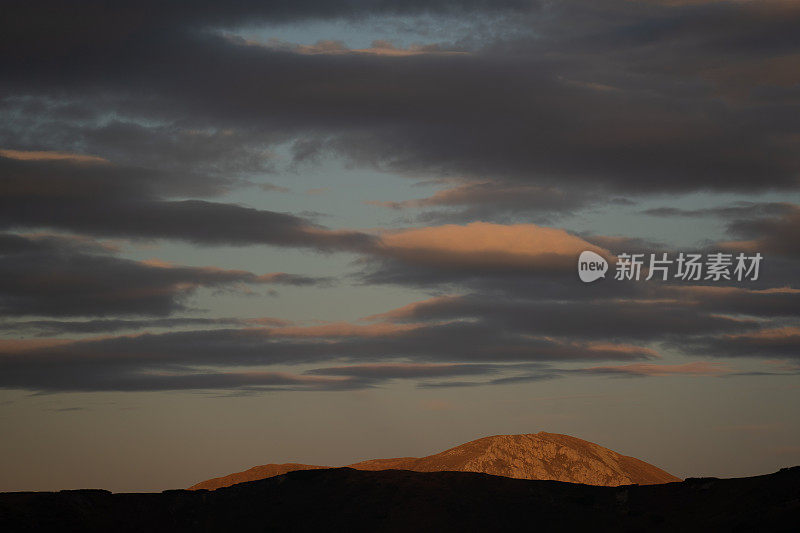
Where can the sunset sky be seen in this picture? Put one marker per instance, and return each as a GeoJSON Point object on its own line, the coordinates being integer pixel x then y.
{"type": "Point", "coordinates": [237, 233]}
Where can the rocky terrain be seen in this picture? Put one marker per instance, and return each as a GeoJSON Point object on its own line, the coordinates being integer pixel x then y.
{"type": "Point", "coordinates": [543, 456]}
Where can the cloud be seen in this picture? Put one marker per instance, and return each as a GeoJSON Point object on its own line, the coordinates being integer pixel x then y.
{"type": "Point", "coordinates": [85, 22]}
{"type": "Point", "coordinates": [656, 122]}
{"type": "Point", "coordinates": [170, 381]}
{"type": "Point", "coordinates": [328, 46]}
{"type": "Point", "coordinates": [473, 254]}
{"type": "Point", "coordinates": [345, 329]}
{"type": "Point", "coordinates": [737, 210]}
{"type": "Point", "coordinates": [283, 278]}
{"type": "Point", "coordinates": [66, 276]}
{"type": "Point", "coordinates": [779, 234]}
{"type": "Point", "coordinates": [759, 226]}
{"type": "Point", "coordinates": [111, 325]}
{"type": "Point", "coordinates": [176, 359]}
{"type": "Point", "coordinates": [780, 342]}
{"type": "Point", "coordinates": [133, 122]}
{"type": "Point", "coordinates": [116, 201]}
{"type": "Point", "coordinates": [486, 245]}
{"type": "Point", "coordinates": [412, 310]}
{"type": "Point", "coordinates": [771, 302]}
{"type": "Point", "coordinates": [492, 200]}
{"type": "Point", "coordinates": [692, 320]}
{"type": "Point", "coordinates": [644, 369]}
{"type": "Point", "coordinates": [49, 156]}
{"type": "Point", "coordinates": [405, 370]}
{"type": "Point", "coordinates": [48, 328]}
{"type": "Point", "coordinates": [531, 377]}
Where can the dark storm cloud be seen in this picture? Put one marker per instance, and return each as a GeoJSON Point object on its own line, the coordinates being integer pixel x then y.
{"type": "Point", "coordinates": [70, 276]}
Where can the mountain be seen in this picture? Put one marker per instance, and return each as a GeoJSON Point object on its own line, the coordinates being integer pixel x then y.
{"type": "Point", "coordinates": [543, 456]}
{"type": "Point", "coordinates": [344, 499]}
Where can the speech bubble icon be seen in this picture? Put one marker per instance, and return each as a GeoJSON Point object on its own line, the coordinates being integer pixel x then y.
{"type": "Point", "coordinates": [591, 266]}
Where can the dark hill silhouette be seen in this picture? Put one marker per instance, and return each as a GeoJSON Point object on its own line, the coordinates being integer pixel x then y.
{"type": "Point", "coordinates": [546, 456]}
{"type": "Point", "coordinates": [344, 499]}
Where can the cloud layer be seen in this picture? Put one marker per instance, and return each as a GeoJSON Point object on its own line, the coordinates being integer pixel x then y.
{"type": "Point", "coordinates": [141, 121]}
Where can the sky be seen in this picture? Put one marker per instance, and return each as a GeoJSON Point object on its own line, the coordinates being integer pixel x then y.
{"type": "Point", "coordinates": [322, 232]}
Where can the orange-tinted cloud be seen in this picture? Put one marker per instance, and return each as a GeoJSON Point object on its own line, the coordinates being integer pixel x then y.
{"type": "Point", "coordinates": [344, 329]}
{"type": "Point", "coordinates": [766, 335]}
{"type": "Point", "coordinates": [410, 310]}
{"type": "Point", "coordinates": [269, 321]}
{"type": "Point", "coordinates": [334, 47]}
{"type": "Point", "coordinates": [487, 245]}
{"type": "Point", "coordinates": [23, 345]}
{"type": "Point", "coordinates": [706, 291]}
{"type": "Point", "coordinates": [620, 351]}
{"type": "Point", "coordinates": [25, 155]}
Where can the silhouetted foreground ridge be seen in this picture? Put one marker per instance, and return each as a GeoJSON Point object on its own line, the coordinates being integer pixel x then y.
{"type": "Point", "coordinates": [394, 500]}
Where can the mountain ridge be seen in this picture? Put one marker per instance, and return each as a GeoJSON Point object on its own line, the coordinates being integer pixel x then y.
{"type": "Point", "coordinates": [539, 456]}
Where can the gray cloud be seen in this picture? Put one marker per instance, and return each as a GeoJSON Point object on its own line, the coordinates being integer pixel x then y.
{"type": "Point", "coordinates": [568, 104]}
{"type": "Point", "coordinates": [39, 26]}
{"type": "Point", "coordinates": [778, 343]}
{"type": "Point", "coordinates": [543, 375]}
{"type": "Point", "coordinates": [604, 319]}
{"type": "Point", "coordinates": [109, 200]}
{"type": "Point", "coordinates": [493, 201]}
{"type": "Point", "coordinates": [607, 108]}
{"type": "Point", "coordinates": [101, 364]}
{"type": "Point", "coordinates": [779, 234]}
{"type": "Point", "coordinates": [71, 276]}
{"type": "Point", "coordinates": [405, 371]}
{"type": "Point", "coordinates": [737, 210]}
{"type": "Point", "coordinates": [46, 328]}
